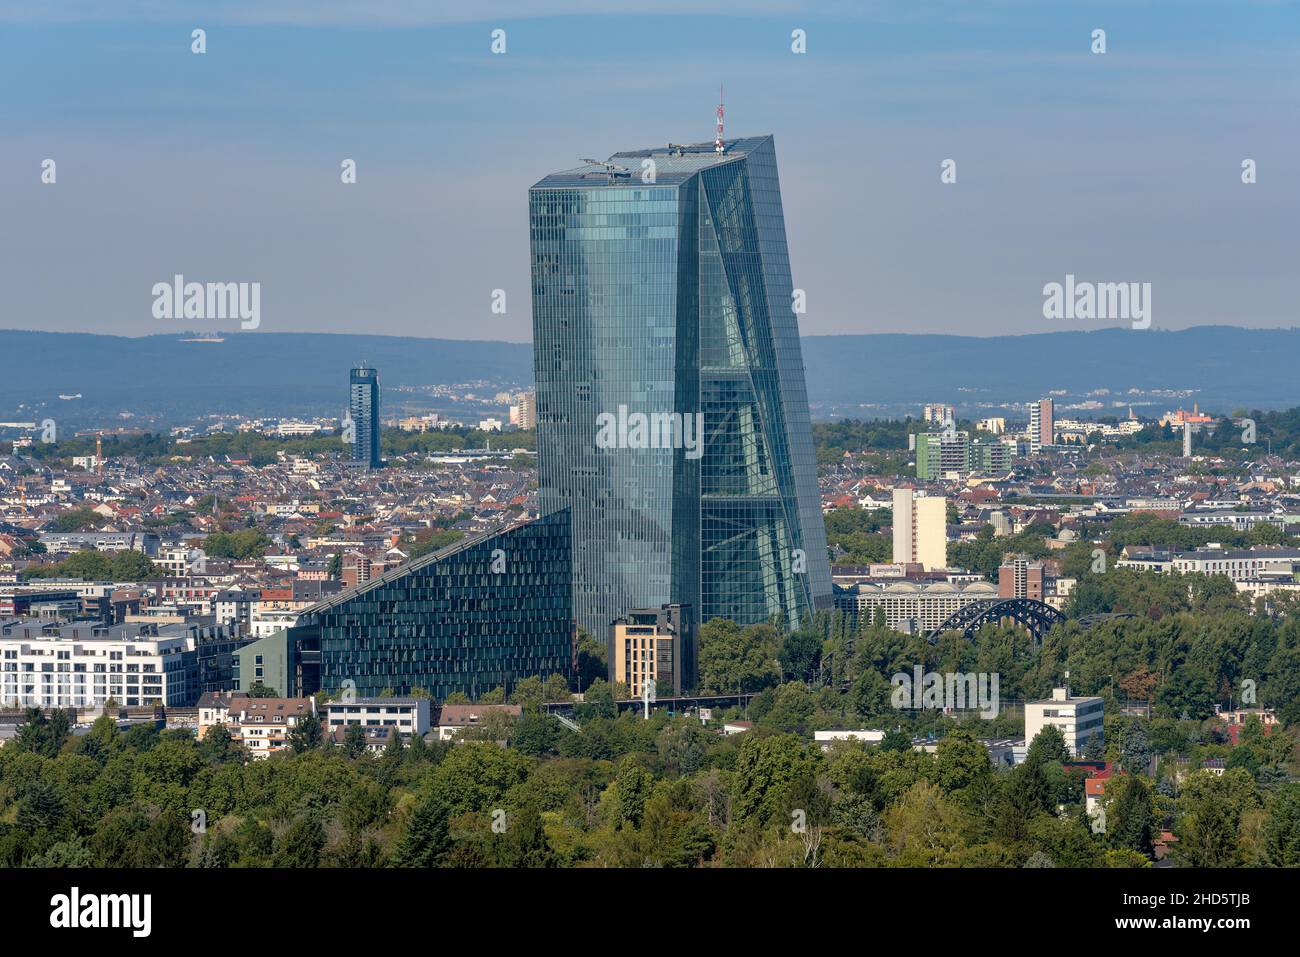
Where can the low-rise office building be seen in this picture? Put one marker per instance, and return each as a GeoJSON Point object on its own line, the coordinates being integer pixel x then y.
{"type": "Point", "coordinates": [1079, 719]}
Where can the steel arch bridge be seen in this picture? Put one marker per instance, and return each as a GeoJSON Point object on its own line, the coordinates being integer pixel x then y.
{"type": "Point", "coordinates": [1033, 615]}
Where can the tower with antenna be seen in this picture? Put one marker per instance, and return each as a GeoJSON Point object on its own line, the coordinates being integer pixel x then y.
{"type": "Point", "coordinates": [717, 143]}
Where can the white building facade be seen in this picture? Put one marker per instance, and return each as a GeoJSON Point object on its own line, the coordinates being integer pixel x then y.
{"type": "Point", "coordinates": [55, 672]}
{"type": "Point", "coordinates": [1080, 719]}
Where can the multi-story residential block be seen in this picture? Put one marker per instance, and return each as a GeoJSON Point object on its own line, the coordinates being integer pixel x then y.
{"type": "Point", "coordinates": [233, 605]}
{"type": "Point", "coordinates": [52, 663]}
{"type": "Point", "coordinates": [39, 602]}
{"type": "Point", "coordinates": [1242, 565]}
{"type": "Point", "coordinates": [1237, 521]}
{"type": "Point", "coordinates": [938, 414]}
{"type": "Point", "coordinates": [178, 561]}
{"type": "Point", "coordinates": [1080, 719]}
{"type": "Point", "coordinates": [407, 715]}
{"type": "Point", "coordinates": [920, 529]}
{"type": "Point", "coordinates": [145, 542]}
{"type": "Point", "coordinates": [990, 458]}
{"type": "Point", "coordinates": [263, 622]}
{"type": "Point", "coordinates": [1239, 564]}
{"type": "Point", "coordinates": [356, 568]}
{"type": "Point", "coordinates": [526, 411]}
{"type": "Point", "coordinates": [1041, 427]}
{"type": "Point", "coordinates": [941, 455]}
{"type": "Point", "coordinates": [46, 665]}
{"type": "Point", "coordinates": [261, 725]}
{"type": "Point", "coordinates": [1021, 578]}
{"type": "Point", "coordinates": [454, 718]}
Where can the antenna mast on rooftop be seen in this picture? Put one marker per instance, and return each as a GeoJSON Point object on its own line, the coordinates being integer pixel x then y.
{"type": "Point", "coordinates": [717, 143]}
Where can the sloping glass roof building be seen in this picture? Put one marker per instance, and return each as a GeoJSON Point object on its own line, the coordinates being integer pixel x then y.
{"type": "Point", "coordinates": [483, 612]}
{"type": "Point", "coordinates": [661, 288]}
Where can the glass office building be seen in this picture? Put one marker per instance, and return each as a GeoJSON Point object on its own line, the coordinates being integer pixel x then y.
{"type": "Point", "coordinates": [661, 287]}
{"type": "Point", "coordinates": [363, 407]}
{"type": "Point", "coordinates": [483, 612]}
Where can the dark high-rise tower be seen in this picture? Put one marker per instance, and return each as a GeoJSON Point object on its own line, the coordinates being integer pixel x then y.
{"type": "Point", "coordinates": [363, 407]}
{"type": "Point", "coordinates": [661, 289]}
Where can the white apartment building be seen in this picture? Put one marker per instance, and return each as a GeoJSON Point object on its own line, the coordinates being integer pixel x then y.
{"type": "Point", "coordinates": [526, 411]}
{"type": "Point", "coordinates": [55, 672]}
{"type": "Point", "coordinates": [178, 560]}
{"type": "Point", "coordinates": [1237, 521]}
{"type": "Point", "coordinates": [264, 622]}
{"type": "Point", "coordinates": [297, 428]}
{"type": "Point", "coordinates": [408, 715]}
{"type": "Point", "coordinates": [100, 541]}
{"type": "Point", "coordinates": [1080, 719]}
{"type": "Point", "coordinates": [938, 414]}
{"type": "Point", "coordinates": [920, 529]}
{"type": "Point", "coordinates": [1238, 564]}
{"type": "Point", "coordinates": [1263, 587]}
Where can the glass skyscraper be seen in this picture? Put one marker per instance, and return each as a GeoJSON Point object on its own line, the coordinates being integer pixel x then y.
{"type": "Point", "coordinates": [661, 287]}
{"type": "Point", "coordinates": [363, 407]}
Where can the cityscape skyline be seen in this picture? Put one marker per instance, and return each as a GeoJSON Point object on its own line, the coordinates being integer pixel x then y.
{"type": "Point", "coordinates": [928, 507]}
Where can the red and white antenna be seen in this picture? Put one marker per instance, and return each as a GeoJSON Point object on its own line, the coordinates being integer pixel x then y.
{"type": "Point", "coordinates": [717, 143]}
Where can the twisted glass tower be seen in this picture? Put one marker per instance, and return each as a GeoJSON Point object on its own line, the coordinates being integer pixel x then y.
{"type": "Point", "coordinates": [661, 288]}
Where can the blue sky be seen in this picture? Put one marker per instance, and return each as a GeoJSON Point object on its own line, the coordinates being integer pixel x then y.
{"type": "Point", "coordinates": [225, 166]}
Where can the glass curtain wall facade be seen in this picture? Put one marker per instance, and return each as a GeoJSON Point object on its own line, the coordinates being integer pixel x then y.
{"type": "Point", "coordinates": [673, 297]}
{"type": "Point", "coordinates": [481, 613]}
{"type": "Point", "coordinates": [363, 406]}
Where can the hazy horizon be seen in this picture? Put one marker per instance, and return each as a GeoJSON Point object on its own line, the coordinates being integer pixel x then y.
{"type": "Point", "coordinates": [225, 166]}
{"type": "Point", "coordinates": [227, 333]}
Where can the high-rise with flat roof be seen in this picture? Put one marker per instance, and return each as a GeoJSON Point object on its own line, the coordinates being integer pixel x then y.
{"type": "Point", "coordinates": [363, 407]}
{"type": "Point", "coordinates": [672, 412]}
{"type": "Point", "coordinates": [920, 529]}
{"type": "Point", "coordinates": [654, 644]}
{"type": "Point", "coordinates": [1041, 427]}
{"type": "Point", "coordinates": [1020, 578]}
{"type": "Point", "coordinates": [941, 454]}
